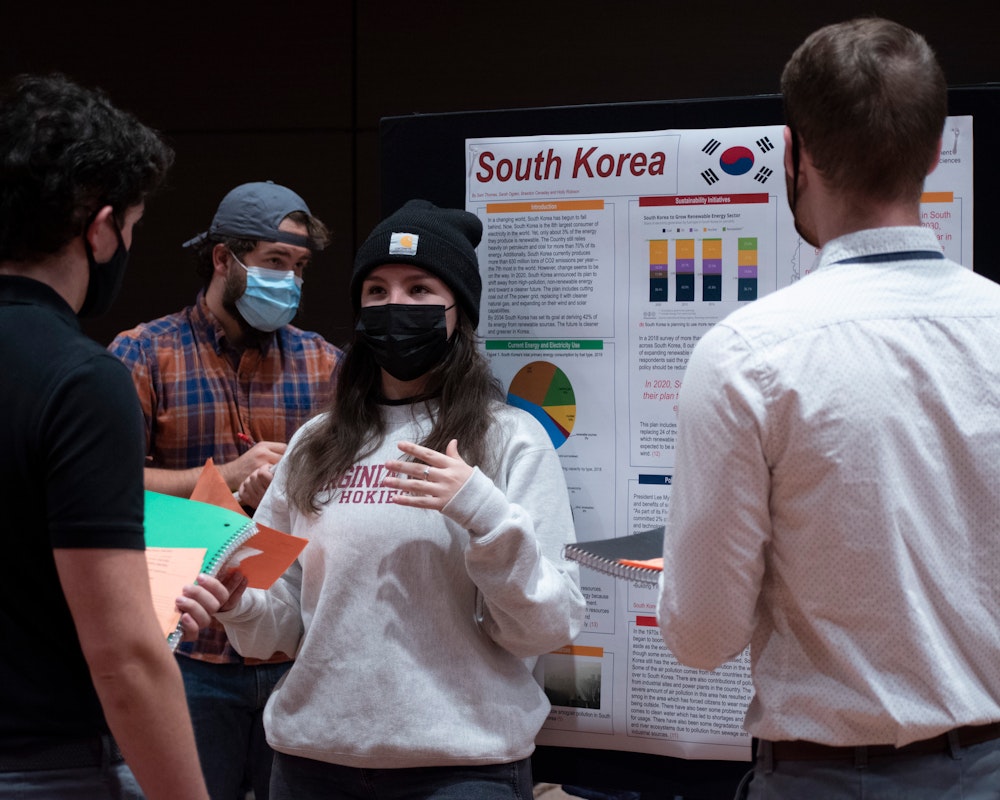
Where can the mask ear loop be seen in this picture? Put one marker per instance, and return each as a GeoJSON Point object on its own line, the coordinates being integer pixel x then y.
{"type": "Point", "coordinates": [236, 258]}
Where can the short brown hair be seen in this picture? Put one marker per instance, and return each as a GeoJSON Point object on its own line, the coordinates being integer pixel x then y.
{"type": "Point", "coordinates": [868, 100]}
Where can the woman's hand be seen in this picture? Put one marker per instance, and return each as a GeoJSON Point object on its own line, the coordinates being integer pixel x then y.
{"type": "Point", "coordinates": [429, 482]}
{"type": "Point", "coordinates": [201, 600]}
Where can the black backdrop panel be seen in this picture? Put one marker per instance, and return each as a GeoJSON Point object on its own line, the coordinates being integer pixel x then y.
{"type": "Point", "coordinates": [423, 155]}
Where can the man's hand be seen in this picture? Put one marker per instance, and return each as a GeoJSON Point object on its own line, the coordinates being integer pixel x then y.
{"type": "Point", "coordinates": [262, 454]}
{"type": "Point", "coordinates": [254, 485]}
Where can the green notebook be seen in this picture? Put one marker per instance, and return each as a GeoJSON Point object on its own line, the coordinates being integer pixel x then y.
{"type": "Point", "coordinates": [178, 522]}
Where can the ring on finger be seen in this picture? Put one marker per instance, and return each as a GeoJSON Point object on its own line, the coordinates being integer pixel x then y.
{"type": "Point", "coordinates": [427, 472]}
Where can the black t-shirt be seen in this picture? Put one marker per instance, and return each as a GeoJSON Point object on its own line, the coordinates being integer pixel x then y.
{"type": "Point", "coordinates": [71, 459]}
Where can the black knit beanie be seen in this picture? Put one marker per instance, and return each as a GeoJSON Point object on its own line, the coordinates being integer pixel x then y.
{"type": "Point", "coordinates": [440, 240]}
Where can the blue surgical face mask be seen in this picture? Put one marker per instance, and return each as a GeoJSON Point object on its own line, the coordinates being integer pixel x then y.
{"type": "Point", "coordinates": [271, 297]}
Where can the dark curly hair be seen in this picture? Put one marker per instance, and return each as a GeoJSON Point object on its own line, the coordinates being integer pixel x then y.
{"type": "Point", "coordinates": [65, 151]}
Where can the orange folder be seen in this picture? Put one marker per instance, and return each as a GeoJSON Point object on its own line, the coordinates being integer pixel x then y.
{"type": "Point", "coordinates": [265, 555]}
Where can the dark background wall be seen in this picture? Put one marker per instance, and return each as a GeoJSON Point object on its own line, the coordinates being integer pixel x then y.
{"type": "Point", "coordinates": [294, 92]}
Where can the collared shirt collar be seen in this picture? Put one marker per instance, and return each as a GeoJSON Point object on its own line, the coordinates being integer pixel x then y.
{"type": "Point", "coordinates": [878, 241]}
{"type": "Point", "coordinates": [20, 290]}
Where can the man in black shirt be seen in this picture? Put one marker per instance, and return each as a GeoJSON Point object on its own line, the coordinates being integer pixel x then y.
{"type": "Point", "coordinates": [83, 655]}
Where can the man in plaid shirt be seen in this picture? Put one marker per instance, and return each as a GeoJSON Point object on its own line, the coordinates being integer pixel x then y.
{"type": "Point", "coordinates": [229, 379]}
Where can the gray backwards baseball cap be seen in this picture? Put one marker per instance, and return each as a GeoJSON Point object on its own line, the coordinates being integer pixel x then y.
{"type": "Point", "coordinates": [254, 211]}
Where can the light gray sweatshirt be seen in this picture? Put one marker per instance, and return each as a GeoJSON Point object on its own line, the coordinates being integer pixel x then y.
{"type": "Point", "coordinates": [415, 632]}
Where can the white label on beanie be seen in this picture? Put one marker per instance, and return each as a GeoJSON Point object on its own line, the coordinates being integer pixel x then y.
{"type": "Point", "coordinates": [403, 244]}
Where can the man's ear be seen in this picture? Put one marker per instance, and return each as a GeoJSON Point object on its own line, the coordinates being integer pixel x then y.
{"type": "Point", "coordinates": [937, 157]}
{"type": "Point", "coordinates": [102, 234]}
{"type": "Point", "coordinates": [795, 151]}
{"type": "Point", "coordinates": [220, 259]}
{"type": "Point", "coordinates": [789, 166]}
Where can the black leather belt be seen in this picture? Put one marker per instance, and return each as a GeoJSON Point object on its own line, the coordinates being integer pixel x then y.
{"type": "Point", "coordinates": [61, 755]}
{"type": "Point", "coordinates": [810, 751]}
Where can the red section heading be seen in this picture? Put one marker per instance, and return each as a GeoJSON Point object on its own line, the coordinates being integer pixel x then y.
{"type": "Point", "coordinates": [704, 200]}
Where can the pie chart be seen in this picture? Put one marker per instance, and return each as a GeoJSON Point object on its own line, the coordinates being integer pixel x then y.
{"type": "Point", "coordinates": [544, 391]}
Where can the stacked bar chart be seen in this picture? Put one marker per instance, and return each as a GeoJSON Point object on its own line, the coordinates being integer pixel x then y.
{"type": "Point", "coordinates": [747, 270]}
{"type": "Point", "coordinates": [685, 273]}
{"type": "Point", "coordinates": [711, 270]}
{"type": "Point", "coordinates": [685, 269]}
{"type": "Point", "coordinates": [659, 264]}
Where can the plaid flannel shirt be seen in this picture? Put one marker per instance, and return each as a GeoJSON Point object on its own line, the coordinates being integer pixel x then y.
{"type": "Point", "coordinates": [197, 393]}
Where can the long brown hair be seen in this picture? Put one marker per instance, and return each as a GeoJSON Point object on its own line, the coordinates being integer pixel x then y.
{"type": "Point", "coordinates": [462, 383]}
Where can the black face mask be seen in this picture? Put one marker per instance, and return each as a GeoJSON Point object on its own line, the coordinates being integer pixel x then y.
{"type": "Point", "coordinates": [407, 339]}
{"type": "Point", "coordinates": [105, 279]}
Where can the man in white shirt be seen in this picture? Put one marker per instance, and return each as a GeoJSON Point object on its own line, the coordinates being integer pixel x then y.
{"type": "Point", "coordinates": [835, 502]}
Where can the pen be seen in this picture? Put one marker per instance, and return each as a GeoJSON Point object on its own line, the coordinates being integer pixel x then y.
{"type": "Point", "coordinates": [249, 442]}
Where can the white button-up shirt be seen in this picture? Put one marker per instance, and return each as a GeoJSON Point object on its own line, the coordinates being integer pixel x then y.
{"type": "Point", "coordinates": [836, 498]}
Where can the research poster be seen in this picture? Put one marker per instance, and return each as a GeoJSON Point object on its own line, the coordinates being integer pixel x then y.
{"type": "Point", "coordinates": [604, 259]}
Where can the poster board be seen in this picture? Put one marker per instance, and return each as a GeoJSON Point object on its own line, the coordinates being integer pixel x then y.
{"type": "Point", "coordinates": [431, 156]}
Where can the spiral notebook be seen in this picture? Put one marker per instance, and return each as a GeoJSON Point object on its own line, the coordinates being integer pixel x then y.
{"type": "Point", "coordinates": [185, 538]}
{"type": "Point", "coordinates": [637, 557]}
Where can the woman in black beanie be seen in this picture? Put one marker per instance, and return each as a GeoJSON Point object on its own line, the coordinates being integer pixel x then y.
{"type": "Point", "coordinates": [434, 579]}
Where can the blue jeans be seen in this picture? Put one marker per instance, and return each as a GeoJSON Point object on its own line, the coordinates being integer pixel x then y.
{"type": "Point", "coordinates": [111, 779]}
{"type": "Point", "coordinates": [226, 702]}
{"type": "Point", "coordinates": [295, 778]}
{"type": "Point", "coordinates": [966, 773]}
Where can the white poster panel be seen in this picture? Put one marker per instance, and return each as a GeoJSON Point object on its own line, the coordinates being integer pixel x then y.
{"type": "Point", "coordinates": [605, 258]}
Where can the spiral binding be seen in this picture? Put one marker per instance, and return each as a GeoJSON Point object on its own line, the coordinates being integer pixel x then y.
{"type": "Point", "coordinates": [216, 563]}
{"type": "Point", "coordinates": [610, 566]}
